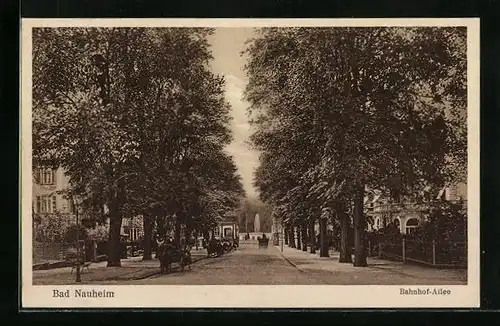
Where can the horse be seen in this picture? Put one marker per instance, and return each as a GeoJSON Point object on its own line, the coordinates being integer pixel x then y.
{"type": "Point", "coordinates": [168, 254]}
{"type": "Point", "coordinates": [229, 244]}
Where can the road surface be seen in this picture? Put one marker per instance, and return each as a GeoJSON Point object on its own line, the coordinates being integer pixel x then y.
{"type": "Point", "coordinates": [248, 265]}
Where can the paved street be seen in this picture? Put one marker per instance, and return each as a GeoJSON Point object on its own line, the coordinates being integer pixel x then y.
{"type": "Point", "coordinates": [252, 266]}
{"type": "Point", "coordinates": [246, 266]}
{"type": "Point", "coordinates": [249, 265]}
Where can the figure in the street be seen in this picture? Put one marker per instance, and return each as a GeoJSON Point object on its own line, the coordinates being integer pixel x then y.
{"type": "Point", "coordinates": [169, 253]}
{"type": "Point", "coordinates": [214, 248]}
{"type": "Point", "coordinates": [263, 241]}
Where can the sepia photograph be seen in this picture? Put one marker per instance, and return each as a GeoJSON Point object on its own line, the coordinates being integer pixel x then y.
{"type": "Point", "coordinates": [207, 157]}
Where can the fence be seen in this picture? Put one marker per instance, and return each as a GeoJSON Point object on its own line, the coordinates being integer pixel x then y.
{"type": "Point", "coordinates": [434, 253]}
{"type": "Point", "coordinates": [43, 253]}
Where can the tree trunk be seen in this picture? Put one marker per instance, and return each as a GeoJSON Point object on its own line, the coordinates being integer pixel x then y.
{"type": "Point", "coordinates": [304, 236]}
{"type": "Point", "coordinates": [147, 222]}
{"type": "Point", "coordinates": [359, 229]}
{"type": "Point", "coordinates": [292, 237]}
{"type": "Point", "coordinates": [286, 235]}
{"type": "Point", "coordinates": [299, 242]}
{"type": "Point", "coordinates": [323, 251]}
{"type": "Point", "coordinates": [345, 246]}
{"type": "Point", "coordinates": [312, 236]}
{"type": "Point", "coordinates": [177, 231]}
{"type": "Point", "coordinates": [114, 243]}
{"type": "Point", "coordinates": [187, 234]}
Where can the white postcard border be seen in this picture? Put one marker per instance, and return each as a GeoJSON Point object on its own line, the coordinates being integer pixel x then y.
{"type": "Point", "coordinates": [254, 296]}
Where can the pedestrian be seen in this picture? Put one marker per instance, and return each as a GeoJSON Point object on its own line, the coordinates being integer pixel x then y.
{"type": "Point", "coordinates": [182, 242]}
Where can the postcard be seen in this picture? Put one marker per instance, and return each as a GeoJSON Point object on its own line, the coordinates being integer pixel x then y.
{"type": "Point", "coordinates": [250, 163]}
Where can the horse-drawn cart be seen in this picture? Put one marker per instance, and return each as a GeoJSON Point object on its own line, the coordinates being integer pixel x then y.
{"type": "Point", "coordinates": [263, 242]}
{"type": "Point", "coordinates": [169, 254]}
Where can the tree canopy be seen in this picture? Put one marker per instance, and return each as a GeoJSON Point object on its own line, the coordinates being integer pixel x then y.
{"type": "Point", "coordinates": [342, 111]}
{"type": "Point", "coordinates": [138, 122]}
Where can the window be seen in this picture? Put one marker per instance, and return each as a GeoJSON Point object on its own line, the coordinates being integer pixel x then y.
{"type": "Point", "coordinates": [134, 234]}
{"type": "Point", "coordinates": [453, 193]}
{"type": "Point", "coordinates": [45, 176]}
{"type": "Point", "coordinates": [46, 204]}
{"type": "Point", "coordinates": [228, 232]}
{"type": "Point", "coordinates": [71, 207]}
{"type": "Point", "coordinates": [411, 225]}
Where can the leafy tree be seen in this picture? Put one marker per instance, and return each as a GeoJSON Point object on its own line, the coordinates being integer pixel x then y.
{"type": "Point", "coordinates": [333, 97]}
{"type": "Point", "coordinates": [445, 222]}
{"type": "Point", "coordinates": [133, 116]}
{"type": "Point", "coordinates": [80, 115]}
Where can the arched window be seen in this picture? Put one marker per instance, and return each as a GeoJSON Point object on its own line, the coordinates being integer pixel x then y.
{"type": "Point", "coordinates": [411, 224]}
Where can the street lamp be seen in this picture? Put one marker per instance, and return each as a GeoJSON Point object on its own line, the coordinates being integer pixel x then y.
{"type": "Point", "coordinates": [78, 274]}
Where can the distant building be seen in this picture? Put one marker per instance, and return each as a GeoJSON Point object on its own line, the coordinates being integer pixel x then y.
{"type": "Point", "coordinates": [46, 183]}
{"type": "Point", "coordinates": [227, 228]}
{"type": "Point", "coordinates": [46, 200]}
{"type": "Point", "coordinates": [407, 215]}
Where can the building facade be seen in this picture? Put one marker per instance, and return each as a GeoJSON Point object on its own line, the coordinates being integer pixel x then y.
{"type": "Point", "coordinates": [227, 228]}
{"type": "Point", "coordinates": [407, 215]}
{"type": "Point", "coordinates": [46, 200]}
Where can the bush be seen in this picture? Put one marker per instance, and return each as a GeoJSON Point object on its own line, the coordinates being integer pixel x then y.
{"type": "Point", "coordinates": [390, 233]}
{"type": "Point", "coordinates": [51, 228]}
{"type": "Point", "coordinates": [74, 232]}
{"type": "Point", "coordinates": [446, 222]}
{"type": "Point", "coordinates": [99, 233]}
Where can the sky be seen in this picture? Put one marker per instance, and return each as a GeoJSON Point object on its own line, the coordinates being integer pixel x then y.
{"type": "Point", "coordinates": [227, 44]}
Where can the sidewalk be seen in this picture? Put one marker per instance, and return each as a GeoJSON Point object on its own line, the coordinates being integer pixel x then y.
{"type": "Point", "coordinates": [132, 269]}
{"type": "Point", "coordinates": [378, 272]}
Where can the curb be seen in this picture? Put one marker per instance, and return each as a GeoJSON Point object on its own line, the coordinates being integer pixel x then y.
{"type": "Point", "coordinates": [289, 261]}
{"type": "Point", "coordinates": [157, 272]}
{"type": "Point", "coordinates": [52, 265]}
